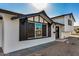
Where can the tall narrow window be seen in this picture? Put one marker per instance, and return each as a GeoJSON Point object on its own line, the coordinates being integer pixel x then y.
{"type": "Point", "coordinates": [41, 19]}
{"type": "Point", "coordinates": [38, 30]}
{"type": "Point", "coordinates": [49, 30]}
{"type": "Point", "coordinates": [69, 22]}
{"type": "Point", "coordinates": [45, 21]}
{"type": "Point", "coordinates": [36, 19]}
{"type": "Point", "coordinates": [30, 19]}
{"type": "Point", "coordinates": [44, 30]}
{"type": "Point", "coordinates": [30, 30]}
{"type": "Point", "coordinates": [22, 29]}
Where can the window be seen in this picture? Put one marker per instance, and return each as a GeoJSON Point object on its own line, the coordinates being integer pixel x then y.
{"type": "Point", "coordinates": [45, 21]}
{"type": "Point", "coordinates": [44, 32]}
{"type": "Point", "coordinates": [49, 30]}
{"type": "Point", "coordinates": [70, 16]}
{"type": "Point", "coordinates": [38, 30]}
{"type": "Point", "coordinates": [70, 22]}
{"type": "Point", "coordinates": [30, 19]}
{"type": "Point", "coordinates": [41, 19]}
{"type": "Point", "coordinates": [36, 19]}
{"type": "Point", "coordinates": [30, 29]}
{"type": "Point", "coordinates": [22, 30]}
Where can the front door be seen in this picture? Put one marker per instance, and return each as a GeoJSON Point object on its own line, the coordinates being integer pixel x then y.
{"type": "Point", "coordinates": [57, 32]}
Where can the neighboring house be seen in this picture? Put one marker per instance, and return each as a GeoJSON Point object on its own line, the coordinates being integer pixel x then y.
{"type": "Point", "coordinates": [66, 26]}
{"type": "Point", "coordinates": [76, 30]}
{"type": "Point", "coordinates": [19, 31]}
{"type": "Point", "coordinates": [76, 27]}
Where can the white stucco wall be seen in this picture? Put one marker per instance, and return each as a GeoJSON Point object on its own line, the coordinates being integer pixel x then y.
{"type": "Point", "coordinates": [52, 31]}
{"type": "Point", "coordinates": [1, 32]}
{"type": "Point", "coordinates": [61, 30]}
{"type": "Point", "coordinates": [64, 20]}
{"type": "Point", "coordinates": [68, 28]}
{"type": "Point", "coordinates": [65, 31]}
{"type": "Point", "coordinates": [11, 36]}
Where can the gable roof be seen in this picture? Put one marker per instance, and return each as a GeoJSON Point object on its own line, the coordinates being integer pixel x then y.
{"type": "Point", "coordinates": [9, 12]}
{"type": "Point", "coordinates": [19, 15]}
{"type": "Point", "coordinates": [42, 14]}
{"type": "Point", "coordinates": [64, 15]}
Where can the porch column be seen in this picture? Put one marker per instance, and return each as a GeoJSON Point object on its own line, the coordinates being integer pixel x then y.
{"type": "Point", "coordinates": [52, 32]}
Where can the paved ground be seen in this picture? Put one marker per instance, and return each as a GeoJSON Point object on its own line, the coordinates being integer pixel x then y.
{"type": "Point", "coordinates": [61, 49]}
{"type": "Point", "coordinates": [51, 49]}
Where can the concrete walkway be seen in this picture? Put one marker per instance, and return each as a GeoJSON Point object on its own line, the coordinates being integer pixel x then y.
{"type": "Point", "coordinates": [28, 51]}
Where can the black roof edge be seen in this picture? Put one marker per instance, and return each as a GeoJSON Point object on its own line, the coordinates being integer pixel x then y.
{"type": "Point", "coordinates": [64, 15]}
{"type": "Point", "coordinates": [34, 14]}
{"type": "Point", "coordinates": [73, 17]}
{"type": "Point", "coordinates": [47, 16]}
{"type": "Point", "coordinates": [9, 12]}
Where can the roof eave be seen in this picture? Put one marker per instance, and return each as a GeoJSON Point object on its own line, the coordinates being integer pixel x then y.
{"type": "Point", "coordinates": [10, 12]}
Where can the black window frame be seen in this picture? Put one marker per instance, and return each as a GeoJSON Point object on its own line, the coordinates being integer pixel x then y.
{"type": "Point", "coordinates": [69, 22]}
{"type": "Point", "coordinates": [22, 29]}
{"type": "Point", "coordinates": [25, 21]}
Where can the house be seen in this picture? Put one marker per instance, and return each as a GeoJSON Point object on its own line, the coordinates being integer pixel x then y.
{"type": "Point", "coordinates": [66, 25]}
{"type": "Point", "coordinates": [76, 30]}
{"type": "Point", "coordinates": [19, 31]}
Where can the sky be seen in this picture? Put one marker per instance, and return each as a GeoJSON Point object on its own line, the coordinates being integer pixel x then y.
{"type": "Point", "coordinates": [52, 9]}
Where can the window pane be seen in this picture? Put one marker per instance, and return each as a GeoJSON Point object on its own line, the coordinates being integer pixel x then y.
{"type": "Point", "coordinates": [43, 30]}
{"type": "Point", "coordinates": [38, 31]}
{"type": "Point", "coordinates": [45, 21]}
{"type": "Point", "coordinates": [22, 27]}
{"type": "Point", "coordinates": [30, 19]}
{"type": "Point", "coordinates": [41, 19]}
{"type": "Point", "coordinates": [49, 30]}
{"type": "Point", "coordinates": [69, 22]}
{"type": "Point", "coordinates": [30, 30]}
{"type": "Point", "coordinates": [36, 19]}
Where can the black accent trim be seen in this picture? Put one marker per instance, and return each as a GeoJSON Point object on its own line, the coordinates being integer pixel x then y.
{"type": "Point", "coordinates": [64, 15]}
{"type": "Point", "coordinates": [49, 30]}
{"type": "Point", "coordinates": [10, 12]}
{"type": "Point", "coordinates": [22, 29]}
{"type": "Point", "coordinates": [37, 14]}
{"type": "Point", "coordinates": [1, 18]}
{"type": "Point", "coordinates": [44, 32]}
{"type": "Point", "coordinates": [43, 19]}
{"type": "Point", "coordinates": [57, 32]}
